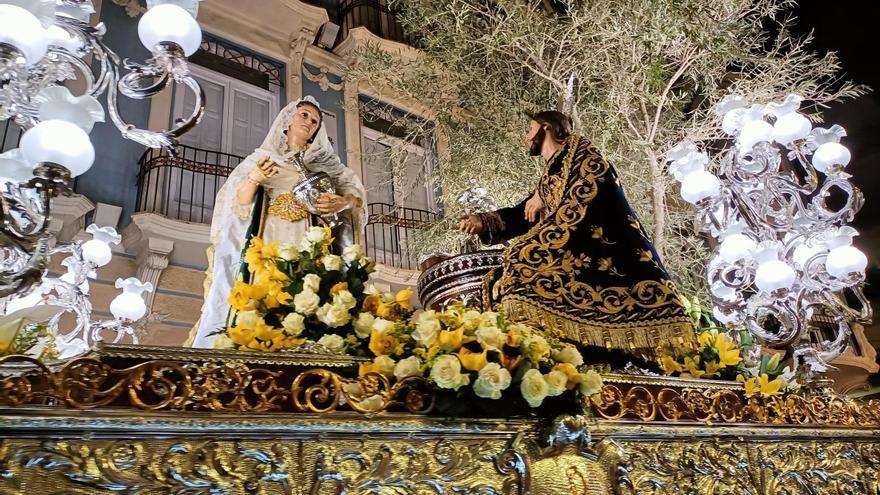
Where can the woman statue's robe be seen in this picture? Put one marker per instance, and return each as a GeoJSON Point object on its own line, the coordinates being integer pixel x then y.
{"type": "Point", "coordinates": [274, 215]}
{"type": "Point", "coordinates": [586, 271]}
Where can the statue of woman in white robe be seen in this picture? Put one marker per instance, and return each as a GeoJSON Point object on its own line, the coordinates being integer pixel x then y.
{"type": "Point", "coordinates": [256, 200]}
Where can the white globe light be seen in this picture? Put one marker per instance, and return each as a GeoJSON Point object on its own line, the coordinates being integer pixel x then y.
{"type": "Point", "coordinates": [774, 275]}
{"type": "Point", "coordinates": [791, 127]}
{"type": "Point", "coordinates": [736, 247]}
{"type": "Point", "coordinates": [97, 251]}
{"type": "Point", "coordinates": [754, 132]}
{"type": "Point", "coordinates": [128, 306]}
{"type": "Point", "coordinates": [22, 29]}
{"type": "Point", "coordinates": [699, 185]}
{"type": "Point", "coordinates": [830, 154]}
{"type": "Point", "coordinates": [844, 261]}
{"type": "Point", "coordinates": [169, 23]}
{"type": "Point", "coordinates": [60, 142]}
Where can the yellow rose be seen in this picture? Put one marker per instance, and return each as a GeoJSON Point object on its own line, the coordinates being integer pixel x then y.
{"type": "Point", "coordinates": [336, 289]}
{"type": "Point", "coordinates": [371, 303]}
{"type": "Point", "coordinates": [570, 372]}
{"type": "Point", "coordinates": [403, 297]}
{"type": "Point", "coordinates": [450, 340]}
{"type": "Point", "coordinates": [382, 343]}
{"type": "Point", "coordinates": [365, 368]}
{"type": "Point", "coordinates": [472, 361]}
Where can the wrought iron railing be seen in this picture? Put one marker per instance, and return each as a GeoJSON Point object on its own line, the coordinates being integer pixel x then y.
{"type": "Point", "coordinates": [375, 15]}
{"type": "Point", "coordinates": [182, 187]}
{"type": "Point", "coordinates": [390, 233]}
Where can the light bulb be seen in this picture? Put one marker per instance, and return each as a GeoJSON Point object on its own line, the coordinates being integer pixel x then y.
{"type": "Point", "coordinates": [844, 261]}
{"type": "Point", "coordinates": [829, 155]}
{"type": "Point", "coordinates": [699, 185]}
{"type": "Point", "coordinates": [128, 306]}
{"type": "Point", "coordinates": [97, 252]}
{"type": "Point", "coordinates": [736, 247]}
{"type": "Point", "coordinates": [774, 275]}
{"type": "Point", "coordinates": [61, 142]}
{"type": "Point", "coordinates": [754, 132]}
{"type": "Point", "coordinates": [791, 127]}
{"type": "Point", "coordinates": [169, 23]}
{"type": "Point", "coordinates": [22, 29]}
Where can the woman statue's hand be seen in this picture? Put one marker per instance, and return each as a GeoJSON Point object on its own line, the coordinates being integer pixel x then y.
{"type": "Point", "coordinates": [329, 203]}
{"type": "Point", "coordinates": [265, 169]}
{"type": "Point", "coordinates": [534, 207]}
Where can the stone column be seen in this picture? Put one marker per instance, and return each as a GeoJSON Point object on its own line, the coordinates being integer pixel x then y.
{"type": "Point", "coordinates": [152, 259]}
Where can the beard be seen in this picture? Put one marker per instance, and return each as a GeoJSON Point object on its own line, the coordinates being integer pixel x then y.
{"type": "Point", "coordinates": [537, 141]}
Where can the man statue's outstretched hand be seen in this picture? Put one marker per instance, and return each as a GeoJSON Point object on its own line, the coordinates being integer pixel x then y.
{"type": "Point", "coordinates": [470, 224]}
{"type": "Point", "coordinates": [534, 208]}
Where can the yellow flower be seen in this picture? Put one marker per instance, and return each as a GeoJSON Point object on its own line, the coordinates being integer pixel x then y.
{"type": "Point", "coordinates": [712, 368]}
{"type": "Point", "coordinates": [692, 364]}
{"type": "Point", "coordinates": [670, 365]}
{"type": "Point", "coordinates": [241, 335]}
{"type": "Point", "coordinates": [450, 340]}
{"type": "Point", "coordinates": [365, 368]}
{"type": "Point", "coordinates": [241, 296]}
{"type": "Point", "coordinates": [385, 311]}
{"type": "Point", "coordinates": [763, 385]}
{"type": "Point", "coordinates": [707, 338]}
{"type": "Point", "coordinates": [382, 343]}
{"type": "Point", "coordinates": [266, 338]}
{"type": "Point", "coordinates": [371, 303]}
{"type": "Point", "coordinates": [336, 289]}
{"type": "Point", "coordinates": [571, 372]}
{"type": "Point", "coordinates": [402, 298]}
{"type": "Point", "coordinates": [472, 361]}
{"type": "Point", "coordinates": [728, 352]}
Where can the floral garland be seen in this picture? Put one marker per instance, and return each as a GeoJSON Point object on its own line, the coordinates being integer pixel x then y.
{"type": "Point", "coordinates": [303, 294]}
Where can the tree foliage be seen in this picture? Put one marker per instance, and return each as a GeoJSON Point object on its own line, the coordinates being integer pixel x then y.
{"type": "Point", "coordinates": [637, 76]}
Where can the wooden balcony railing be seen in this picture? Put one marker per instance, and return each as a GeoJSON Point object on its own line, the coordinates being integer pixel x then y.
{"type": "Point", "coordinates": [183, 187]}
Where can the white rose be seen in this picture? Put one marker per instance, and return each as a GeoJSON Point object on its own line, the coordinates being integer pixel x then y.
{"type": "Point", "coordinates": [427, 328]}
{"type": "Point", "coordinates": [368, 264]}
{"type": "Point", "coordinates": [491, 380]}
{"type": "Point", "coordinates": [294, 323]}
{"type": "Point", "coordinates": [306, 302]}
{"type": "Point", "coordinates": [333, 315]}
{"type": "Point", "coordinates": [534, 387]}
{"type": "Point", "coordinates": [536, 347]}
{"type": "Point", "coordinates": [591, 383]}
{"type": "Point", "coordinates": [557, 380]}
{"type": "Point", "coordinates": [472, 317]}
{"type": "Point", "coordinates": [364, 325]}
{"type": "Point", "coordinates": [490, 319]}
{"type": "Point", "coordinates": [491, 337]}
{"type": "Point", "coordinates": [569, 354]}
{"type": "Point", "coordinates": [446, 372]}
{"type": "Point", "coordinates": [247, 319]}
{"type": "Point", "coordinates": [345, 298]}
{"type": "Point", "coordinates": [372, 290]}
{"type": "Point", "coordinates": [311, 282]}
{"type": "Point", "coordinates": [332, 262]}
{"type": "Point", "coordinates": [352, 253]}
{"type": "Point", "coordinates": [372, 403]}
{"type": "Point", "coordinates": [410, 366]}
{"type": "Point", "coordinates": [288, 252]}
{"type": "Point", "coordinates": [316, 235]}
{"type": "Point", "coordinates": [222, 341]}
{"type": "Point", "coordinates": [382, 325]}
{"type": "Point", "coordinates": [386, 365]}
{"type": "Point", "coordinates": [334, 343]}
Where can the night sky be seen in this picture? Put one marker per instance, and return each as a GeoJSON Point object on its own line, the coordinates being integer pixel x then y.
{"type": "Point", "coordinates": [851, 28]}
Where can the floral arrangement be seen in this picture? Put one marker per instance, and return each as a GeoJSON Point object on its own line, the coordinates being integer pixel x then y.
{"type": "Point", "coordinates": [718, 355]}
{"type": "Point", "coordinates": [297, 294]}
{"type": "Point", "coordinates": [474, 358]}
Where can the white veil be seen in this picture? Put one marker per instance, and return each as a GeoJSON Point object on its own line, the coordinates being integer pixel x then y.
{"type": "Point", "coordinates": [230, 220]}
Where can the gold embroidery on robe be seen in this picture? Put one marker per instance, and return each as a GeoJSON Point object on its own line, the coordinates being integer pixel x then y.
{"type": "Point", "coordinates": [286, 206]}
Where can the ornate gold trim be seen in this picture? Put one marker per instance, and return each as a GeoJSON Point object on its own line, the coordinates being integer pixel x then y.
{"type": "Point", "coordinates": [169, 353]}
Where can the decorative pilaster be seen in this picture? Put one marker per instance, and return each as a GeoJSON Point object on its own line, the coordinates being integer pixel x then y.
{"type": "Point", "coordinates": [298, 47]}
{"type": "Point", "coordinates": [152, 259]}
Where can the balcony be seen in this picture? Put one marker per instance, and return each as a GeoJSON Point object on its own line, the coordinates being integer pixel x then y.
{"type": "Point", "coordinates": [374, 15]}
{"type": "Point", "coordinates": [183, 188]}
